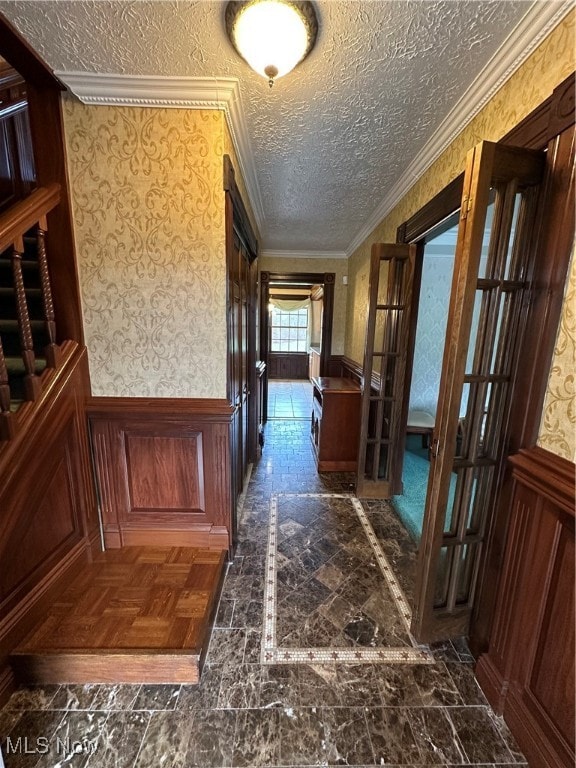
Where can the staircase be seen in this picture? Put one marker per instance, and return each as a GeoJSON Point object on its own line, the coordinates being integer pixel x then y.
{"type": "Point", "coordinates": [10, 335]}
{"type": "Point", "coordinates": [27, 322]}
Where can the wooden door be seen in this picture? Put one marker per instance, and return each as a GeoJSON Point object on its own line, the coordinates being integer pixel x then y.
{"type": "Point", "coordinates": [481, 362]}
{"type": "Point", "coordinates": [240, 327]}
{"type": "Point", "coordinates": [379, 470]}
{"type": "Point", "coordinates": [242, 272]}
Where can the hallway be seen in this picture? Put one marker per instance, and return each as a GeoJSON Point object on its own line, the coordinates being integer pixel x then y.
{"type": "Point", "coordinates": [426, 712]}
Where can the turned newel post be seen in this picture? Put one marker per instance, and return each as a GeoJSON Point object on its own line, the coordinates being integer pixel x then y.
{"type": "Point", "coordinates": [32, 386]}
{"type": "Point", "coordinates": [7, 426]}
{"type": "Point", "coordinates": [52, 350]}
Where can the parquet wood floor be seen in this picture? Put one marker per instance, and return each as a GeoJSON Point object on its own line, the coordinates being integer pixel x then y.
{"type": "Point", "coordinates": [138, 614]}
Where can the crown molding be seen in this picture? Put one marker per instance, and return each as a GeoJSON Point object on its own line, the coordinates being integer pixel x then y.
{"type": "Point", "coordinates": [538, 22]}
{"type": "Point", "coordinates": [271, 254]}
{"type": "Point", "coordinates": [156, 91]}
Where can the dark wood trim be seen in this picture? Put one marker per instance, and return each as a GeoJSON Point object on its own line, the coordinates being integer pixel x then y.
{"type": "Point", "coordinates": [327, 280]}
{"type": "Point", "coordinates": [264, 298]}
{"type": "Point", "coordinates": [327, 322]}
{"type": "Point", "coordinates": [291, 296]}
{"type": "Point", "coordinates": [24, 58]}
{"type": "Point", "coordinates": [241, 219]}
{"type": "Point", "coordinates": [351, 369]}
{"type": "Point", "coordinates": [562, 109]}
{"type": "Point", "coordinates": [25, 213]}
{"type": "Point", "coordinates": [551, 118]}
{"type": "Point", "coordinates": [160, 408]}
{"type": "Point", "coordinates": [432, 213]}
{"type": "Point", "coordinates": [46, 128]}
{"type": "Point", "coordinates": [534, 132]}
{"type": "Point", "coordinates": [335, 366]}
{"type": "Point", "coordinates": [528, 671]}
{"type": "Point", "coordinates": [313, 278]}
{"type": "Point", "coordinates": [43, 92]}
{"type": "Point", "coordinates": [547, 474]}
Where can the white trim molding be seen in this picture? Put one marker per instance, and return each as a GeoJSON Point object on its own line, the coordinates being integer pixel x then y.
{"type": "Point", "coordinates": [538, 22]}
{"type": "Point", "coordinates": [222, 93]}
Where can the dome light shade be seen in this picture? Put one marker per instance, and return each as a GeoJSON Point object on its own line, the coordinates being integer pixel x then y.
{"type": "Point", "coordinates": [272, 36]}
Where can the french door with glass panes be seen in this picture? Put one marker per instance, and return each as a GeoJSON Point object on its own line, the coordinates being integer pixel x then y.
{"type": "Point", "coordinates": [482, 358]}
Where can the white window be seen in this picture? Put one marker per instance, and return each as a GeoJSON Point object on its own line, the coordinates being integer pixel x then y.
{"type": "Point", "coordinates": [289, 330]}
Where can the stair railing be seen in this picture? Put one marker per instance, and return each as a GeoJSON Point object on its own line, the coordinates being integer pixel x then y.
{"type": "Point", "coordinates": [7, 426]}
{"type": "Point", "coordinates": [14, 223]}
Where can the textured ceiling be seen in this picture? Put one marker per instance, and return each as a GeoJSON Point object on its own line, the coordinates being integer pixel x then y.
{"type": "Point", "coordinates": [330, 138]}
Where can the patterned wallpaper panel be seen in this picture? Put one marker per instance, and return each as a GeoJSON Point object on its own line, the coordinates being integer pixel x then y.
{"type": "Point", "coordinates": [148, 208]}
{"type": "Point", "coordinates": [430, 332]}
{"type": "Point", "coordinates": [547, 67]}
{"type": "Point", "coordinates": [558, 427]}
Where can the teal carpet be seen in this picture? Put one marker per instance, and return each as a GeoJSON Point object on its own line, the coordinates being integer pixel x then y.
{"type": "Point", "coordinates": [410, 505]}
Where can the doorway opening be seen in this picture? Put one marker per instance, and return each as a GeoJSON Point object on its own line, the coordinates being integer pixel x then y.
{"type": "Point", "coordinates": [295, 339]}
{"type": "Point", "coordinates": [432, 302]}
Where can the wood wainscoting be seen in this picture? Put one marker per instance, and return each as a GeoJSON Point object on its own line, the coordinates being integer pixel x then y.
{"type": "Point", "coordinates": [528, 671]}
{"type": "Point", "coordinates": [49, 521]}
{"type": "Point", "coordinates": [288, 365]}
{"type": "Point", "coordinates": [163, 471]}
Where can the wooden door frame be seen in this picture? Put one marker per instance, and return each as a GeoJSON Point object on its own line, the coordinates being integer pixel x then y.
{"type": "Point", "coordinates": [327, 280]}
{"type": "Point", "coordinates": [237, 224]}
{"type": "Point", "coordinates": [541, 129]}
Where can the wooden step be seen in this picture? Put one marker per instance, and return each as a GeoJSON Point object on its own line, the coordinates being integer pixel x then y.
{"type": "Point", "coordinates": [134, 615]}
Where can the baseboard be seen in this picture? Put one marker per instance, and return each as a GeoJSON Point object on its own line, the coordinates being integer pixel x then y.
{"type": "Point", "coordinates": [542, 747]}
{"type": "Point", "coordinates": [492, 683]}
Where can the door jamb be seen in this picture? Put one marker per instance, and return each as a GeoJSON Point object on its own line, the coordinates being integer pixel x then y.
{"type": "Point", "coordinates": [327, 279]}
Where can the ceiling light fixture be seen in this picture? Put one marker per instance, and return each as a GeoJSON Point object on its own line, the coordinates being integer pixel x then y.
{"type": "Point", "coordinates": [272, 36]}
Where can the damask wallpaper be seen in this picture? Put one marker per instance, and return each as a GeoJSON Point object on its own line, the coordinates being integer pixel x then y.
{"type": "Point", "coordinates": [558, 428]}
{"type": "Point", "coordinates": [148, 208]}
{"type": "Point", "coordinates": [430, 332]}
{"type": "Point", "coordinates": [548, 66]}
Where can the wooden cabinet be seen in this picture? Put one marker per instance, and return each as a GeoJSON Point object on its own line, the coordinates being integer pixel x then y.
{"type": "Point", "coordinates": [335, 428]}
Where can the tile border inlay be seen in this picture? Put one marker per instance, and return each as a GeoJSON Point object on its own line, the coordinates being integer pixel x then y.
{"type": "Point", "coordinates": [272, 654]}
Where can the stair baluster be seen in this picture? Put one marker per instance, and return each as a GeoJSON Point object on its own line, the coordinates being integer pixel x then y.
{"type": "Point", "coordinates": [52, 350]}
{"type": "Point", "coordinates": [7, 425]}
{"type": "Point", "coordinates": [32, 385]}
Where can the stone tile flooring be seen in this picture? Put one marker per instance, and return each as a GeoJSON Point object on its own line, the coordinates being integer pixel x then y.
{"type": "Point", "coordinates": [289, 399]}
{"type": "Point", "coordinates": [245, 713]}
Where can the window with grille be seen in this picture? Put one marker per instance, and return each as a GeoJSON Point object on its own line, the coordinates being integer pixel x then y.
{"type": "Point", "coordinates": [289, 330]}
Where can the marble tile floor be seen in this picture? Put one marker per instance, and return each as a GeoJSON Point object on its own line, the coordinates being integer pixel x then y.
{"type": "Point", "coordinates": [245, 713]}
